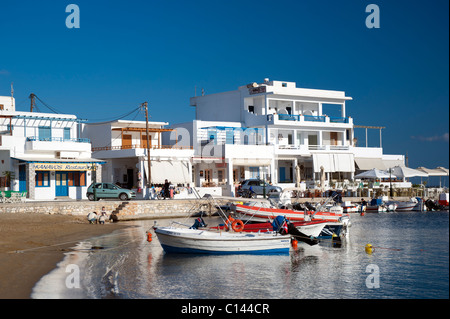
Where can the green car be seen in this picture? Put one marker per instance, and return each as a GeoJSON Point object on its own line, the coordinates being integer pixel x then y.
{"type": "Point", "coordinates": [108, 190]}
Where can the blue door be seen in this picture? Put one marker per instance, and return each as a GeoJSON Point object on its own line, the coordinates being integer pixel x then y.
{"type": "Point", "coordinates": [22, 178]}
{"type": "Point", "coordinates": [62, 187]}
{"type": "Point", "coordinates": [282, 176]}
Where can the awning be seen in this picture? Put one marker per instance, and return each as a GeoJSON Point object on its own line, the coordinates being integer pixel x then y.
{"type": "Point", "coordinates": [367, 163]}
{"type": "Point", "coordinates": [344, 162]}
{"type": "Point", "coordinates": [175, 172]}
{"type": "Point", "coordinates": [334, 162]}
{"type": "Point", "coordinates": [57, 160]}
{"type": "Point", "coordinates": [323, 160]}
{"type": "Point", "coordinates": [393, 163]}
{"type": "Point", "coordinates": [56, 164]}
{"type": "Point", "coordinates": [433, 171]}
{"type": "Point", "coordinates": [251, 161]}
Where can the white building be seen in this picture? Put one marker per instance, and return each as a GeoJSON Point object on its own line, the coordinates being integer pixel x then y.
{"type": "Point", "coordinates": [44, 154]}
{"type": "Point", "coordinates": [122, 145]}
{"type": "Point", "coordinates": [267, 129]}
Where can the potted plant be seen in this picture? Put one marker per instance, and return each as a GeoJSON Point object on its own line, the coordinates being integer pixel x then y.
{"type": "Point", "coordinates": [8, 175]}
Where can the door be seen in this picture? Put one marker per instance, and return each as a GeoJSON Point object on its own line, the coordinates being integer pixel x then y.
{"type": "Point", "coordinates": [333, 138]}
{"type": "Point", "coordinates": [126, 141]}
{"type": "Point", "coordinates": [282, 174]}
{"type": "Point", "coordinates": [130, 178]}
{"type": "Point", "coordinates": [22, 178]}
{"type": "Point", "coordinates": [208, 175]}
{"type": "Point", "coordinates": [62, 186]}
{"type": "Point", "coordinates": [144, 141]}
{"type": "Point", "coordinates": [108, 191]}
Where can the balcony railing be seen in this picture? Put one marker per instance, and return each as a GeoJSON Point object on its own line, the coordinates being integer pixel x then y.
{"type": "Point", "coordinates": [312, 118]}
{"type": "Point", "coordinates": [58, 139]}
{"type": "Point", "coordinates": [139, 146]}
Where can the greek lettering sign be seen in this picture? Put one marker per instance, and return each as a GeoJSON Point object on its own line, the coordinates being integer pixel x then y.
{"type": "Point", "coordinates": [63, 166]}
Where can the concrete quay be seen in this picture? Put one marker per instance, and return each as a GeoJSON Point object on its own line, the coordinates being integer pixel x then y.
{"type": "Point", "coordinates": [137, 209]}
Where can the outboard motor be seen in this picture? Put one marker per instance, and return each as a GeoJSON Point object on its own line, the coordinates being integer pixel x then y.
{"type": "Point", "coordinates": [283, 226]}
{"type": "Point", "coordinates": [199, 222]}
{"type": "Point", "coordinates": [309, 206]}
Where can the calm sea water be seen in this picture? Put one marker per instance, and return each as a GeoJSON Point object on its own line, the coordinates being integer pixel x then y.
{"type": "Point", "coordinates": [412, 262]}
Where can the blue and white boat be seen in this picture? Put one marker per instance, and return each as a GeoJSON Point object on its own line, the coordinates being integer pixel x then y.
{"type": "Point", "coordinates": [200, 241]}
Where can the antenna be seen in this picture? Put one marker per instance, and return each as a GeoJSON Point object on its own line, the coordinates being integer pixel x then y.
{"type": "Point", "coordinates": [12, 97]}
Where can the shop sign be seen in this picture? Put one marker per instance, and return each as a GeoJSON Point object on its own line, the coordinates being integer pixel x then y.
{"type": "Point", "coordinates": [63, 167]}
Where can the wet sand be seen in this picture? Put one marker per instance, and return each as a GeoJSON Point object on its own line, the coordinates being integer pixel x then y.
{"type": "Point", "coordinates": [32, 244]}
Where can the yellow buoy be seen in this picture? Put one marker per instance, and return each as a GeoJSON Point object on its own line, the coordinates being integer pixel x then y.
{"type": "Point", "coordinates": [369, 248]}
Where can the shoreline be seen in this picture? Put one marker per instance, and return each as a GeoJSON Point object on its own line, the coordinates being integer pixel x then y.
{"type": "Point", "coordinates": [31, 245]}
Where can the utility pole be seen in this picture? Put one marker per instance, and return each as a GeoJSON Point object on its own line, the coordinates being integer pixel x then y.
{"type": "Point", "coordinates": [33, 101]}
{"type": "Point", "coordinates": [149, 177]}
{"type": "Point", "coordinates": [12, 97]}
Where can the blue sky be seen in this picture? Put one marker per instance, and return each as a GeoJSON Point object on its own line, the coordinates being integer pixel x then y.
{"type": "Point", "coordinates": [128, 52]}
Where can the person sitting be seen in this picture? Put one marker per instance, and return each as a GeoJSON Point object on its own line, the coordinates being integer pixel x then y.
{"type": "Point", "coordinates": [102, 217]}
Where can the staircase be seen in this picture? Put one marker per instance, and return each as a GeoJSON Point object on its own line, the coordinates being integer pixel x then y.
{"type": "Point", "coordinates": [126, 208]}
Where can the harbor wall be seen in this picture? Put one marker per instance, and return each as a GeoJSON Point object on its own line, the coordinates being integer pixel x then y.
{"type": "Point", "coordinates": [129, 210]}
{"type": "Point", "coordinates": [137, 209]}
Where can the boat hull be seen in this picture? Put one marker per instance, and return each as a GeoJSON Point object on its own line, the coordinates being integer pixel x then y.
{"type": "Point", "coordinates": [262, 214]}
{"type": "Point", "coordinates": [196, 241]}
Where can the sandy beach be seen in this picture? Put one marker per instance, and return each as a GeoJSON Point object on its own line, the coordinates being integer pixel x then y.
{"type": "Point", "coordinates": [32, 244]}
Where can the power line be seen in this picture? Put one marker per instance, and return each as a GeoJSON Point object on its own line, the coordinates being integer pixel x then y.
{"type": "Point", "coordinates": [117, 118]}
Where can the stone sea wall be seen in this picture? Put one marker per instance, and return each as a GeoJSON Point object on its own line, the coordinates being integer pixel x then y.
{"type": "Point", "coordinates": [128, 210]}
{"type": "Point", "coordinates": [135, 209]}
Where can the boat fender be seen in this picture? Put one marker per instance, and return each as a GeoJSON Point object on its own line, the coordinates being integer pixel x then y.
{"type": "Point", "coordinates": [149, 236]}
{"type": "Point", "coordinates": [237, 225]}
{"type": "Point", "coordinates": [294, 243]}
{"type": "Point", "coordinates": [369, 249]}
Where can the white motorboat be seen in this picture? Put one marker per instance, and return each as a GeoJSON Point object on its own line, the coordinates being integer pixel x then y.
{"type": "Point", "coordinates": [200, 241]}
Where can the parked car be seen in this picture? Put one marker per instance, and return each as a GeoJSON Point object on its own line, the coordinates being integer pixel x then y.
{"type": "Point", "coordinates": [108, 190]}
{"type": "Point", "coordinates": [257, 186]}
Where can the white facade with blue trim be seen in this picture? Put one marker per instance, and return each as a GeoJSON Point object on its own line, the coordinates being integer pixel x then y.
{"type": "Point", "coordinates": [267, 130]}
{"type": "Point", "coordinates": [44, 154]}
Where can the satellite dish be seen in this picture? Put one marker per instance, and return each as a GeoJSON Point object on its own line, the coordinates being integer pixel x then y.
{"type": "Point", "coordinates": [254, 84]}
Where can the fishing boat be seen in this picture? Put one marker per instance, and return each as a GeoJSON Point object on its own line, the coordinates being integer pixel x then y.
{"type": "Point", "coordinates": [258, 213]}
{"type": "Point", "coordinates": [308, 228]}
{"type": "Point", "coordinates": [378, 205]}
{"type": "Point", "coordinates": [401, 206]}
{"type": "Point", "coordinates": [200, 241]}
{"type": "Point", "coordinates": [443, 200]}
{"type": "Point", "coordinates": [349, 207]}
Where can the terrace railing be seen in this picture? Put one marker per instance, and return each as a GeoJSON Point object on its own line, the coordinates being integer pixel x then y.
{"type": "Point", "coordinates": [137, 146]}
{"type": "Point", "coordinates": [58, 139]}
{"type": "Point", "coordinates": [313, 118]}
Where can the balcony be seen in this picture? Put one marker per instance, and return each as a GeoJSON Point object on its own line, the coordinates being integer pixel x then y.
{"type": "Point", "coordinates": [313, 118]}
{"type": "Point", "coordinates": [136, 150]}
{"type": "Point", "coordinates": [57, 144]}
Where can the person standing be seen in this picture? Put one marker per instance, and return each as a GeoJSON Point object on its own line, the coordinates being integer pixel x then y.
{"type": "Point", "coordinates": [166, 189]}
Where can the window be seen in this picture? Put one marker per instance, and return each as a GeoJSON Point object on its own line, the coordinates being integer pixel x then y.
{"type": "Point", "coordinates": [42, 179]}
{"type": "Point", "coordinates": [67, 133]}
{"type": "Point", "coordinates": [254, 172]}
{"type": "Point", "coordinates": [45, 133]}
{"type": "Point", "coordinates": [251, 108]}
{"type": "Point", "coordinates": [284, 84]}
{"type": "Point", "coordinates": [77, 178]}
{"type": "Point", "coordinates": [229, 137]}
{"type": "Point", "coordinates": [221, 175]}
{"type": "Point", "coordinates": [212, 134]}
